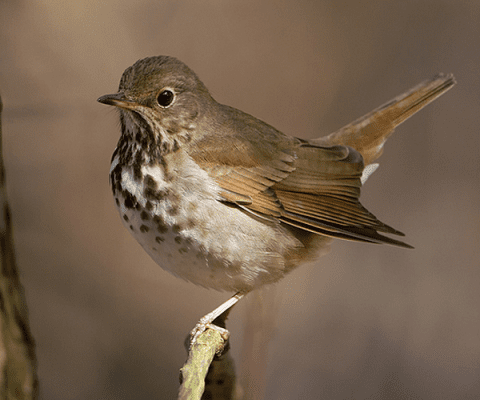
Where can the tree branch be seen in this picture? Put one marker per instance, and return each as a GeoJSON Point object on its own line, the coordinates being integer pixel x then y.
{"type": "Point", "coordinates": [18, 376]}
{"type": "Point", "coordinates": [209, 372]}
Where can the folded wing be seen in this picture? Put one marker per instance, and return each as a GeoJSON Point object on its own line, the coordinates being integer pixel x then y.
{"type": "Point", "coordinates": [312, 185]}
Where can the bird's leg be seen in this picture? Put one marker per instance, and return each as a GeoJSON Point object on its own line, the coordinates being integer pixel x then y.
{"type": "Point", "coordinates": [207, 321]}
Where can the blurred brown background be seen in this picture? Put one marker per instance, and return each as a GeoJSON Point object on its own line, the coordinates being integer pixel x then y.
{"type": "Point", "coordinates": [364, 322]}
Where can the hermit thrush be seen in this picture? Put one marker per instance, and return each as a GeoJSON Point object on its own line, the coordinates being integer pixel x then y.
{"type": "Point", "coordinates": [226, 201]}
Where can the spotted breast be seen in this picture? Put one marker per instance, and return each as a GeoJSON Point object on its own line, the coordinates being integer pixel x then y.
{"type": "Point", "coordinates": [177, 217]}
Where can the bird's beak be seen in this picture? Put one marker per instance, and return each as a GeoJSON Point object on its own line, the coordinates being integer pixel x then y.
{"type": "Point", "coordinates": [117, 100]}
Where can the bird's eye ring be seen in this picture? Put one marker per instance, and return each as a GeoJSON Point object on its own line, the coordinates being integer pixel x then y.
{"type": "Point", "coordinates": [165, 98]}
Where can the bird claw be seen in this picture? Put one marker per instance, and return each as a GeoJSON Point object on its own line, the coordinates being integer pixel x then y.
{"type": "Point", "coordinates": [221, 313]}
{"type": "Point", "coordinates": [202, 326]}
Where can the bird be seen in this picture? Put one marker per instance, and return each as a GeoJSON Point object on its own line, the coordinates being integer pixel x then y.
{"type": "Point", "coordinates": [226, 201]}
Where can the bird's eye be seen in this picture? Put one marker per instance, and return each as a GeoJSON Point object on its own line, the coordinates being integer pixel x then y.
{"type": "Point", "coordinates": [165, 98]}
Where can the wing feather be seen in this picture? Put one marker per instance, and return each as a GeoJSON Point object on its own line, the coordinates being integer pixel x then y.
{"type": "Point", "coordinates": [312, 186]}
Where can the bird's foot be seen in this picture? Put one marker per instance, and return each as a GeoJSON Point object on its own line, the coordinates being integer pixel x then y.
{"type": "Point", "coordinates": [206, 322]}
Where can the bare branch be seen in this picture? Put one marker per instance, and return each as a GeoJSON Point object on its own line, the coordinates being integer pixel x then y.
{"type": "Point", "coordinates": [200, 357]}
{"type": "Point", "coordinates": [18, 376]}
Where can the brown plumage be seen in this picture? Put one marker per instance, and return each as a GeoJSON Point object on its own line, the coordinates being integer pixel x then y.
{"type": "Point", "coordinates": [315, 184]}
{"type": "Point", "coordinates": [225, 200]}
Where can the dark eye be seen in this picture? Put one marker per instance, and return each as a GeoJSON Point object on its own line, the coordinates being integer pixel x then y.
{"type": "Point", "coordinates": [165, 98]}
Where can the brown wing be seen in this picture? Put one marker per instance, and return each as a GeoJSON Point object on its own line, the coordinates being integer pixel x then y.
{"type": "Point", "coordinates": [312, 187]}
{"type": "Point", "coordinates": [322, 194]}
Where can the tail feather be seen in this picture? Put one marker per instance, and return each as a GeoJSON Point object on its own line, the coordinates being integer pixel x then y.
{"type": "Point", "coordinates": [369, 133]}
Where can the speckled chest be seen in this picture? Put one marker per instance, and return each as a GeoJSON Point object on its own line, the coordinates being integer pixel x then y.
{"type": "Point", "coordinates": [160, 209]}
{"type": "Point", "coordinates": [173, 209]}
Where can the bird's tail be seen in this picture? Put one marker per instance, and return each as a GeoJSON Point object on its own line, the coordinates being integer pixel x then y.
{"type": "Point", "coordinates": [368, 133]}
